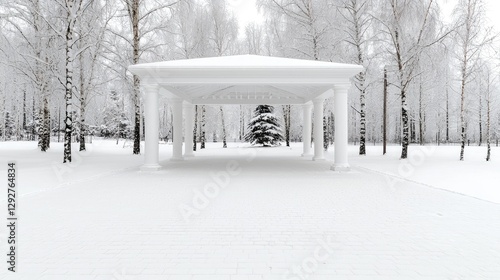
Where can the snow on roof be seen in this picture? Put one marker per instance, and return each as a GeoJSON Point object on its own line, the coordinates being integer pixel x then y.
{"type": "Point", "coordinates": [246, 61]}
{"type": "Point", "coordinates": [246, 79]}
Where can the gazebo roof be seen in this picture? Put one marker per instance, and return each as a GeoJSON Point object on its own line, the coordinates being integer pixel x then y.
{"type": "Point", "coordinates": [246, 79]}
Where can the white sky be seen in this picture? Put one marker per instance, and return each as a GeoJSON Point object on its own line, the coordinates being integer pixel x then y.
{"type": "Point", "coordinates": [246, 11]}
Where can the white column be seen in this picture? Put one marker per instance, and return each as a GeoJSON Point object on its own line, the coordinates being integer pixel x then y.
{"type": "Point", "coordinates": [152, 122]}
{"type": "Point", "coordinates": [177, 147]}
{"type": "Point", "coordinates": [188, 129]}
{"type": "Point", "coordinates": [306, 130]}
{"type": "Point", "coordinates": [318, 129]}
{"type": "Point", "coordinates": [341, 134]}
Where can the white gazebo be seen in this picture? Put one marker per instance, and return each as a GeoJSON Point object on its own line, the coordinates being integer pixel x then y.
{"type": "Point", "coordinates": [245, 79]}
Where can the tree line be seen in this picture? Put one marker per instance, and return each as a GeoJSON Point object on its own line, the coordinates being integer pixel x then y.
{"type": "Point", "coordinates": [64, 67]}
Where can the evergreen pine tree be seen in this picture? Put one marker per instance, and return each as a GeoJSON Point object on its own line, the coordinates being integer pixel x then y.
{"type": "Point", "coordinates": [264, 128]}
{"type": "Point", "coordinates": [116, 123]}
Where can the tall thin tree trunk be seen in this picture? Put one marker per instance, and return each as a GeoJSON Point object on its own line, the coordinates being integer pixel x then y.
{"type": "Point", "coordinates": [480, 119]}
{"type": "Point", "coordinates": [488, 120]}
{"type": "Point", "coordinates": [82, 106]}
{"type": "Point", "coordinates": [288, 115]}
{"type": "Point", "coordinates": [224, 143]}
{"type": "Point", "coordinates": [45, 127]}
{"type": "Point", "coordinates": [286, 118]}
{"type": "Point", "coordinates": [118, 131]}
{"type": "Point", "coordinates": [69, 87]}
{"type": "Point", "coordinates": [404, 123]}
{"type": "Point", "coordinates": [447, 115]}
{"type": "Point", "coordinates": [24, 110]}
{"type": "Point", "coordinates": [413, 129]}
{"type": "Point", "coordinates": [384, 121]}
{"type": "Point", "coordinates": [362, 120]}
{"type": "Point", "coordinates": [39, 123]}
{"type": "Point", "coordinates": [462, 112]}
{"type": "Point", "coordinates": [202, 127]}
{"type": "Point", "coordinates": [195, 130]}
{"type": "Point", "coordinates": [488, 127]}
{"type": "Point", "coordinates": [46, 124]}
{"type": "Point", "coordinates": [421, 117]}
{"type": "Point", "coordinates": [404, 103]}
{"type": "Point", "coordinates": [326, 142]}
{"type": "Point", "coordinates": [242, 124]}
{"type": "Point", "coordinates": [332, 127]}
{"type": "Point", "coordinates": [43, 139]}
{"type": "Point", "coordinates": [134, 17]}
{"type": "Point", "coordinates": [59, 125]}
{"type": "Point", "coordinates": [33, 119]}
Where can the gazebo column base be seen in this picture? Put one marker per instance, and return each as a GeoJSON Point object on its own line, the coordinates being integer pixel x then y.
{"type": "Point", "coordinates": [152, 167]}
{"type": "Point", "coordinates": [306, 155]}
{"type": "Point", "coordinates": [340, 167]}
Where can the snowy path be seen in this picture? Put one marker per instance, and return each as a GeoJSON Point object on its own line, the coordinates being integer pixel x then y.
{"type": "Point", "coordinates": [279, 216]}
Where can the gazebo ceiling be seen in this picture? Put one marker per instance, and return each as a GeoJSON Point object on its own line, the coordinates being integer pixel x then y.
{"type": "Point", "coordinates": [245, 79]}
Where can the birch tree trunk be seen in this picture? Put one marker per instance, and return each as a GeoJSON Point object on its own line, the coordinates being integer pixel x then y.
{"type": "Point", "coordinates": [68, 120]}
{"type": "Point", "coordinates": [82, 106]}
{"type": "Point", "coordinates": [462, 104]}
{"type": "Point", "coordinates": [202, 127]}
{"type": "Point", "coordinates": [224, 143]}
{"type": "Point", "coordinates": [488, 116]}
{"type": "Point", "coordinates": [405, 125]}
{"type": "Point", "coordinates": [480, 118]}
{"type": "Point", "coordinates": [195, 129]}
{"type": "Point", "coordinates": [326, 143]}
{"type": "Point", "coordinates": [472, 38]}
{"type": "Point", "coordinates": [286, 118]}
{"type": "Point", "coordinates": [358, 22]}
{"type": "Point", "coordinates": [447, 114]}
{"type": "Point", "coordinates": [24, 111]}
{"type": "Point", "coordinates": [133, 7]}
{"type": "Point", "coordinates": [242, 124]}
{"type": "Point", "coordinates": [44, 134]}
{"type": "Point", "coordinates": [421, 117]}
{"type": "Point", "coordinates": [488, 123]}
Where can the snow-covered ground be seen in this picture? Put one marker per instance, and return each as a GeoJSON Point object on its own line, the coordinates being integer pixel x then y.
{"type": "Point", "coordinates": [439, 167]}
{"type": "Point", "coordinates": [255, 213]}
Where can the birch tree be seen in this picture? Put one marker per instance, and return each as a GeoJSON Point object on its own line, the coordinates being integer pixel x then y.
{"type": "Point", "coordinates": [140, 13]}
{"type": "Point", "coordinates": [92, 30]}
{"type": "Point", "coordinates": [488, 97]}
{"type": "Point", "coordinates": [471, 38]}
{"type": "Point", "coordinates": [73, 10]}
{"type": "Point", "coordinates": [357, 24]}
{"type": "Point", "coordinates": [410, 28]}
{"type": "Point", "coordinates": [27, 21]}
